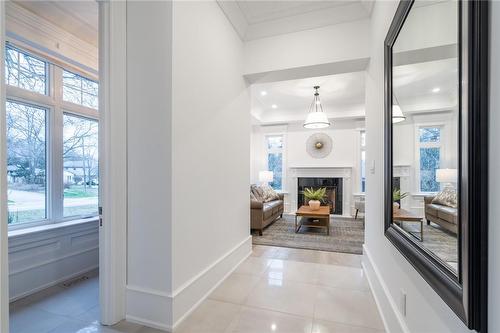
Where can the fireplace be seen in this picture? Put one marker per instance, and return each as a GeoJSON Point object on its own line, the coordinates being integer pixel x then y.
{"type": "Point", "coordinates": [396, 183]}
{"type": "Point", "coordinates": [333, 191]}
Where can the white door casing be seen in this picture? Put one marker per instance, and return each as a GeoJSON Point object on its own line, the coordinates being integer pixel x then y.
{"type": "Point", "coordinates": [113, 196]}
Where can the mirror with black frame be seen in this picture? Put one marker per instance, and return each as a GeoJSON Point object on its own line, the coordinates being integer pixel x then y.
{"type": "Point", "coordinates": [425, 129]}
{"type": "Point", "coordinates": [436, 147]}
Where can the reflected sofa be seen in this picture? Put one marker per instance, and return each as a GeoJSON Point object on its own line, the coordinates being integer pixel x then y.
{"type": "Point", "coordinates": [444, 216]}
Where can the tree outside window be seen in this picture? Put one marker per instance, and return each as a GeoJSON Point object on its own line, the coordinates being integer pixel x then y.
{"type": "Point", "coordinates": [430, 157]}
{"type": "Point", "coordinates": [32, 182]}
{"type": "Point", "coordinates": [81, 167]}
{"type": "Point", "coordinates": [26, 162]}
{"type": "Point", "coordinates": [275, 160]}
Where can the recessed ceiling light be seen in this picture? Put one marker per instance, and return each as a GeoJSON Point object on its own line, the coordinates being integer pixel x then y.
{"type": "Point", "coordinates": [263, 93]}
{"type": "Point", "coordinates": [435, 90]}
{"type": "Point", "coordinates": [274, 106]}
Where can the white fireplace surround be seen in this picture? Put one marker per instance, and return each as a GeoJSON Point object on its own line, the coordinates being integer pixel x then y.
{"type": "Point", "coordinates": [296, 172]}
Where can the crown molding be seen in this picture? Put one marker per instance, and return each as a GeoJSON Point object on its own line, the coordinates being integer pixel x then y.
{"type": "Point", "coordinates": [355, 11]}
{"type": "Point", "coordinates": [23, 25]}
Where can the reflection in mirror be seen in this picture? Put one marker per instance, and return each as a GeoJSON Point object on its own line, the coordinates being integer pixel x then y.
{"type": "Point", "coordinates": [426, 129]}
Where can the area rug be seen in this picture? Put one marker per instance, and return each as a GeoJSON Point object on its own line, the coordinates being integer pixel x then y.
{"type": "Point", "coordinates": [439, 241]}
{"type": "Point", "coordinates": [346, 235]}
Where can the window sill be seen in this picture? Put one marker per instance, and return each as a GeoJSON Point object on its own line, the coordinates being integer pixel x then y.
{"type": "Point", "coordinates": [51, 226]}
{"type": "Point", "coordinates": [423, 194]}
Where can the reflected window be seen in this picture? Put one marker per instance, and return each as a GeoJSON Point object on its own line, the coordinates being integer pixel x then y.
{"type": "Point", "coordinates": [430, 157]}
{"type": "Point", "coordinates": [26, 163]}
{"type": "Point", "coordinates": [363, 161]}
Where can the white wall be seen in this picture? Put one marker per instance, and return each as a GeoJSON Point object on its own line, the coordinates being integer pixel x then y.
{"type": "Point", "coordinates": [211, 123]}
{"type": "Point", "coordinates": [149, 155]}
{"type": "Point", "coordinates": [188, 157]}
{"type": "Point", "coordinates": [345, 151]}
{"type": "Point", "coordinates": [306, 48]}
{"type": "Point", "coordinates": [494, 228]}
{"type": "Point", "coordinates": [388, 271]}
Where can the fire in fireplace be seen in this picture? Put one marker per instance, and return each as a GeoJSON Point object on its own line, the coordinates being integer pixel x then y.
{"type": "Point", "coordinates": [333, 191]}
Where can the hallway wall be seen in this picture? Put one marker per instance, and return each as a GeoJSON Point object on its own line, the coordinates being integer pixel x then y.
{"type": "Point", "coordinates": [389, 272]}
{"type": "Point", "coordinates": [210, 152]}
{"type": "Point", "coordinates": [188, 157]}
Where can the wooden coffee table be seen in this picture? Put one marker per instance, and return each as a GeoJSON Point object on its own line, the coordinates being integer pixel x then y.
{"type": "Point", "coordinates": [402, 215]}
{"type": "Point", "coordinates": [313, 218]}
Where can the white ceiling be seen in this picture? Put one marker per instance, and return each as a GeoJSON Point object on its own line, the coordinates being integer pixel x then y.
{"type": "Point", "coordinates": [414, 84]}
{"type": "Point", "coordinates": [261, 11]}
{"type": "Point", "coordinates": [258, 19]}
{"type": "Point", "coordinates": [343, 95]}
{"type": "Point", "coordinates": [79, 18]}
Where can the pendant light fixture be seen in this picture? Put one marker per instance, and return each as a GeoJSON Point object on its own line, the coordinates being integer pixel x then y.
{"type": "Point", "coordinates": [397, 113]}
{"type": "Point", "coordinates": [316, 118]}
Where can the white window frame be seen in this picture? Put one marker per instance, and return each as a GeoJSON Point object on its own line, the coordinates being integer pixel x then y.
{"type": "Point", "coordinates": [281, 150]}
{"type": "Point", "coordinates": [419, 145]}
{"type": "Point", "coordinates": [56, 108]}
{"type": "Point", "coordinates": [362, 148]}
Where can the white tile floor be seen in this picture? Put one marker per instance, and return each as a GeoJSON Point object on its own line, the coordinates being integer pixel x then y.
{"type": "Point", "coordinates": [290, 291]}
{"type": "Point", "coordinates": [274, 290]}
{"type": "Point", "coordinates": [65, 310]}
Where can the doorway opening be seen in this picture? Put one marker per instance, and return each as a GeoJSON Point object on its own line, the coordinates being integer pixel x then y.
{"type": "Point", "coordinates": [298, 160]}
{"type": "Point", "coordinates": [52, 132]}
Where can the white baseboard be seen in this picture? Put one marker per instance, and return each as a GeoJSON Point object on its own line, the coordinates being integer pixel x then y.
{"type": "Point", "coordinates": [161, 310]}
{"type": "Point", "coordinates": [391, 316]}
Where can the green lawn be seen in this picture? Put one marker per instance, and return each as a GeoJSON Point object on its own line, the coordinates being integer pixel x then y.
{"type": "Point", "coordinates": [26, 216]}
{"type": "Point", "coordinates": [79, 191]}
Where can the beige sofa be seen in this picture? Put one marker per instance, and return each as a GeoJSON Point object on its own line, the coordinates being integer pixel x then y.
{"type": "Point", "coordinates": [262, 214]}
{"type": "Point", "coordinates": [444, 216]}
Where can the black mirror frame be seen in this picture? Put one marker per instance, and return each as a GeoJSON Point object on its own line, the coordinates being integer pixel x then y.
{"type": "Point", "coordinates": [466, 294]}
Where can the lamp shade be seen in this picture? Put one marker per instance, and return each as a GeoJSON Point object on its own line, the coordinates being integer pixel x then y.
{"type": "Point", "coordinates": [266, 176]}
{"type": "Point", "coordinates": [397, 114]}
{"type": "Point", "coordinates": [316, 119]}
{"type": "Point", "coordinates": [446, 175]}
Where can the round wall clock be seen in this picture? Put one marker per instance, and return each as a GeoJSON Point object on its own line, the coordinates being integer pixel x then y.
{"type": "Point", "coordinates": [319, 145]}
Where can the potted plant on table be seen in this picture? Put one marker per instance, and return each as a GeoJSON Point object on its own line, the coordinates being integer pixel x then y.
{"type": "Point", "coordinates": [397, 196]}
{"type": "Point", "coordinates": [315, 197]}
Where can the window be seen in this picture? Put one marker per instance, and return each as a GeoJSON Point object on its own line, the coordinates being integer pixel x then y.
{"type": "Point", "coordinates": [79, 90]}
{"type": "Point", "coordinates": [46, 132]}
{"type": "Point", "coordinates": [363, 161]}
{"type": "Point", "coordinates": [26, 163]}
{"type": "Point", "coordinates": [81, 169]}
{"type": "Point", "coordinates": [25, 71]}
{"type": "Point", "coordinates": [275, 160]}
{"type": "Point", "coordinates": [429, 139]}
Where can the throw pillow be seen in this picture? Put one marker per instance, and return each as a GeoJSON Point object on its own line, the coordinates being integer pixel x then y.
{"type": "Point", "coordinates": [447, 197]}
{"type": "Point", "coordinates": [253, 197]}
{"type": "Point", "coordinates": [269, 193]}
{"type": "Point", "coordinates": [258, 193]}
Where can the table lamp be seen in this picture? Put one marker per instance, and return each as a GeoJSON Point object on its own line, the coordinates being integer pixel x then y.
{"type": "Point", "coordinates": [447, 176]}
{"type": "Point", "coordinates": [266, 177]}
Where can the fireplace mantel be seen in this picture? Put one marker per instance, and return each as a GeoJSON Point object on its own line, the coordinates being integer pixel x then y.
{"type": "Point", "coordinates": [344, 172]}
